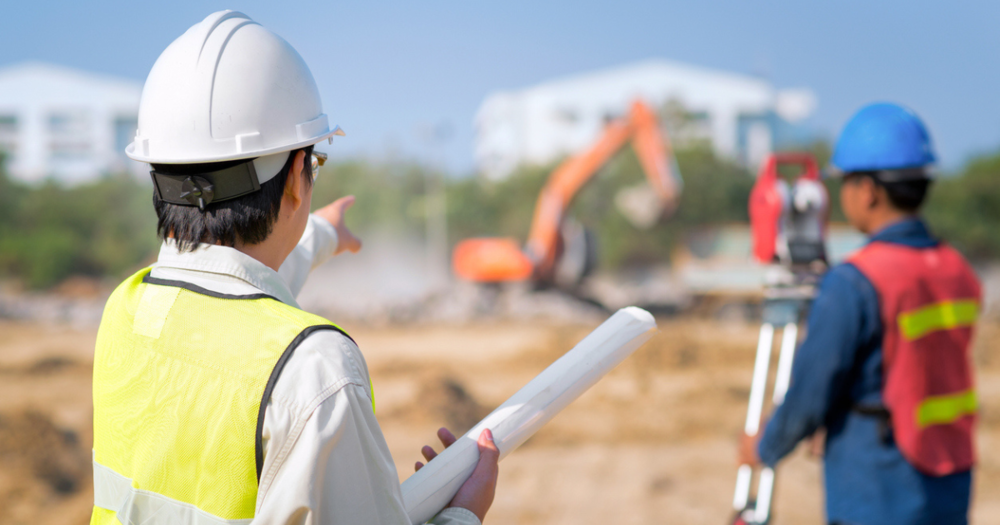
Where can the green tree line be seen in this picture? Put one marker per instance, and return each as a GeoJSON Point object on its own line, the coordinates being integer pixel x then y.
{"type": "Point", "coordinates": [106, 228]}
{"type": "Point", "coordinates": [49, 232]}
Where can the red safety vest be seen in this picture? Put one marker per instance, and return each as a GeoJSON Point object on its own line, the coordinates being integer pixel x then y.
{"type": "Point", "coordinates": [929, 299]}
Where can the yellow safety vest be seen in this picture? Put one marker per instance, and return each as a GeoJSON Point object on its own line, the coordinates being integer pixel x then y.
{"type": "Point", "coordinates": [182, 376]}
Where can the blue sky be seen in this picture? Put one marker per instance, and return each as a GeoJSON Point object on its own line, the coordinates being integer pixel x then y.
{"type": "Point", "coordinates": [388, 69]}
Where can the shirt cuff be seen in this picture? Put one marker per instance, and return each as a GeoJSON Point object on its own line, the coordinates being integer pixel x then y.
{"type": "Point", "coordinates": [324, 239]}
{"type": "Point", "coordinates": [455, 516]}
{"type": "Point", "coordinates": [764, 452]}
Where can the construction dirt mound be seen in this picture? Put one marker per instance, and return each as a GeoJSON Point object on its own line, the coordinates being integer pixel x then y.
{"type": "Point", "coordinates": [33, 447]}
{"type": "Point", "coordinates": [40, 464]}
{"type": "Point", "coordinates": [445, 399]}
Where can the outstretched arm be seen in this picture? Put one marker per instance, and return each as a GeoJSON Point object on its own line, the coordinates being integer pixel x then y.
{"type": "Point", "coordinates": [326, 235]}
{"type": "Point", "coordinates": [334, 214]}
{"type": "Point", "coordinates": [837, 330]}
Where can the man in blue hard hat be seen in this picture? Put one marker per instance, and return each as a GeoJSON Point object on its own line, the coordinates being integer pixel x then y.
{"type": "Point", "coordinates": [885, 368]}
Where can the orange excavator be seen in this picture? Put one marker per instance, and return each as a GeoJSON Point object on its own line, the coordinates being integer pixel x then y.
{"type": "Point", "coordinates": [552, 237]}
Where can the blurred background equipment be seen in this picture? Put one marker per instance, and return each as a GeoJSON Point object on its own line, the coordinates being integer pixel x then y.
{"type": "Point", "coordinates": [789, 229]}
{"type": "Point", "coordinates": [789, 221]}
{"type": "Point", "coordinates": [558, 251]}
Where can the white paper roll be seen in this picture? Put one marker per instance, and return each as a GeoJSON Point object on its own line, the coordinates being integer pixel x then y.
{"type": "Point", "coordinates": [431, 488]}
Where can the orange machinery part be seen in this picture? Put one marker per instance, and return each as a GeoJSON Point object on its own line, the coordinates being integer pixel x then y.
{"type": "Point", "coordinates": [491, 260]}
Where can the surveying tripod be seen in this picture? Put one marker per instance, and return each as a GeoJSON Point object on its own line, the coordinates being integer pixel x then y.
{"type": "Point", "coordinates": [787, 297]}
{"type": "Point", "coordinates": [788, 224]}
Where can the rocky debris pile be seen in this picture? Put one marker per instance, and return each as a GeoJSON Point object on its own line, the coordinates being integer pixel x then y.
{"type": "Point", "coordinates": [393, 281]}
{"type": "Point", "coordinates": [55, 306]}
{"type": "Point", "coordinates": [460, 302]}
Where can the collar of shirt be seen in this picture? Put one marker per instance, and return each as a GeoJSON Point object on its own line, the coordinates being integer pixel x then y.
{"type": "Point", "coordinates": [910, 232]}
{"type": "Point", "coordinates": [221, 269]}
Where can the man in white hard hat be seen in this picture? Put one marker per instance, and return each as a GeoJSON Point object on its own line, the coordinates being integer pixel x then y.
{"type": "Point", "coordinates": [216, 399]}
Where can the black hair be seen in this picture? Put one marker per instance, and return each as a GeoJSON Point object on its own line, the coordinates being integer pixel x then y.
{"type": "Point", "coordinates": [248, 219]}
{"type": "Point", "coordinates": [904, 195]}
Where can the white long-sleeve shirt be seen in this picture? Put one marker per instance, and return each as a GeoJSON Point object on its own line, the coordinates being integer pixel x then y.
{"type": "Point", "coordinates": [325, 459]}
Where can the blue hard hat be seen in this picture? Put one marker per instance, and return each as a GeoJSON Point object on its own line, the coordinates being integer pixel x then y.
{"type": "Point", "coordinates": [881, 137]}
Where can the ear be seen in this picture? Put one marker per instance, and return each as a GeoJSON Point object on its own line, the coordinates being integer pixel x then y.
{"type": "Point", "coordinates": [294, 185]}
{"type": "Point", "coordinates": [873, 192]}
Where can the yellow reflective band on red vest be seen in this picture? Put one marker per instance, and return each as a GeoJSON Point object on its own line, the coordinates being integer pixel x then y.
{"type": "Point", "coordinates": [179, 378]}
{"type": "Point", "coordinates": [939, 316]}
{"type": "Point", "coordinates": [944, 410]}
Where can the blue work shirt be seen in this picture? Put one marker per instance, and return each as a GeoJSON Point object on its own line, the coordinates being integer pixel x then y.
{"type": "Point", "coordinates": [838, 366]}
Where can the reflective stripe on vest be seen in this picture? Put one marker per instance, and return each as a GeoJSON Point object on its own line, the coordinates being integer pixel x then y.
{"type": "Point", "coordinates": [182, 376]}
{"type": "Point", "coordinates": [132, 506]}
{"type": "Point", "coordinates": [944, 410]}
{"type": "Point", "coordinates": [940, 316]}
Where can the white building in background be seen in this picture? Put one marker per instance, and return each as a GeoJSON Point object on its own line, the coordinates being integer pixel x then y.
{"type": "Point", "coordinates": [65, 124]}
{"type": "Point", "coordinates": [737, 113]}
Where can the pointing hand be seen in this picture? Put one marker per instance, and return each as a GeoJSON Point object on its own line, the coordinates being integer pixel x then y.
{"type": "Point", "coordinates": [334, 214]}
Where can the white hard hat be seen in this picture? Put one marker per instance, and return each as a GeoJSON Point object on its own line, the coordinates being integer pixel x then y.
{"type": "Point", "coordinates": [229, 89]}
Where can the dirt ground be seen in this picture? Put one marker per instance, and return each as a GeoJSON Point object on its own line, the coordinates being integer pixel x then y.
{"type": "Point", "coordinates": [653, 442]}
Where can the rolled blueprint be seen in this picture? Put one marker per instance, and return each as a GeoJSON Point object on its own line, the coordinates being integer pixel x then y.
{"type": "Point", "coordinates": [431, 488]}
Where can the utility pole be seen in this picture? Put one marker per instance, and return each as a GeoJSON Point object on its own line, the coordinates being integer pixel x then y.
{"type": "Point", "coordinates": [436, 137]}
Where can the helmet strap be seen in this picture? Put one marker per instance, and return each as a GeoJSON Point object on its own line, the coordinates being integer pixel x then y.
{"type": "Point", "coordinates": [903, 175]}
{"type": "Point", "coordinates": [187, 189]}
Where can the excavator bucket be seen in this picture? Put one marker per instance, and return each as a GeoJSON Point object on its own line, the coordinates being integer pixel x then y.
{"type": "Point", "coordinates": [491, 260]}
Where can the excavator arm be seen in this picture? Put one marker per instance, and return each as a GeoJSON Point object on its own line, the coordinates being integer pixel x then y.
{"type": "Point", "coordinates": [494, 260]}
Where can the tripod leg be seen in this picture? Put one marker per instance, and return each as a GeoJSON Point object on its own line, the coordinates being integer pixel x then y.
{"type": "Point", "coordinates": [765, 487]}
{"type": "Point", "coordinates": [757, 390]}
{"type": "Point", "coordinates": [743, 478]}
{"type": "Point", "coordinates": [789, 340]}
{"type": "Point", "coordinates": [759, 384]}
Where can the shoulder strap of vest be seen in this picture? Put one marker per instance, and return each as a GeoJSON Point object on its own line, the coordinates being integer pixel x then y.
{"type": "Point", "coordinates": [273, 380]}
{"type": "Point", "coordinates": [876, 249]}
{"type": "Point", "coordinates": [148, 279]}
